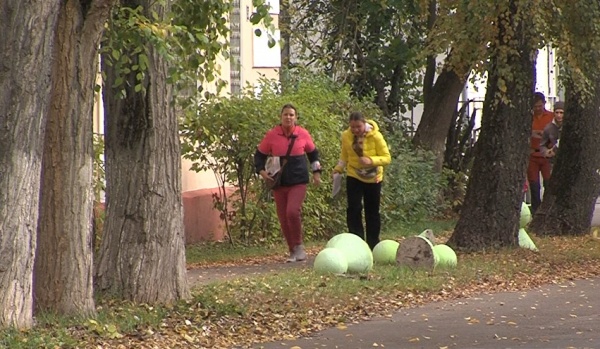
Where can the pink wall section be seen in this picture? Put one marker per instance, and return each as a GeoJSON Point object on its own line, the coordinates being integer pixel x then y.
{"type": "Point", "coordinates": [200, 218]}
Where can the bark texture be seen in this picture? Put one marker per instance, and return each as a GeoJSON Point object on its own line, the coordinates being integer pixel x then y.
{"type": "Point", "coordinates": [25, 54]}
{"type": "Point", "coordinates": [570, 198]}
{"type": "Point", "coordinates": [64, 268]}
{"type": "Point", "coordinates": [142, 255]}
{"type": "Point", "coordinates": [440, 108]}
{"type": "Point", "coordinates": [490, 215]}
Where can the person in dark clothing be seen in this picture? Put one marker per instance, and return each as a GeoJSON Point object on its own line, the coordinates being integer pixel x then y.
{"type": "Point", "coordinates": [551, 136]}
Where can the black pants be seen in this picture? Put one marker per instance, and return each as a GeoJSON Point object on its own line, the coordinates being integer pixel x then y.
{"type": "Point", "coordinates": [371, 194]}
{"type": "Point", "coordinates": [536, 195]}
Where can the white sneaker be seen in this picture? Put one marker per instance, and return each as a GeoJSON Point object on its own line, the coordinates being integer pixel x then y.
{"type": "Point", "coordinates": [291, 258]}
{"type": "Point", "coordinates": [299, 253]}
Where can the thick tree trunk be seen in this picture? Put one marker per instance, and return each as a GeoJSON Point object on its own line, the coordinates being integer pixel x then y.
{"type": "Point", "coordinates": [63, 268]}
{"type": "Point", "coordinates": [142, 255]}
{"type": "Point", "coordinates": [25, 55]}
{"type": "Point", "coordinates": [570, 198]}
{"type": "Point", "coordinates": [438, 113]}
{"type": "Point", "coordinates": [490, 215]}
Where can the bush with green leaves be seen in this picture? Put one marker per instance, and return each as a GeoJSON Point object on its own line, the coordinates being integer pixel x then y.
{"type": "Point", "coordinates": [222, 134]}
{"type": "Point", "coordinates": [412, 188]}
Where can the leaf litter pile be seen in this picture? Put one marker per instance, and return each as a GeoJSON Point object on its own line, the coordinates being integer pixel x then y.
{"type": "Point", "coordinates": [297, 302]}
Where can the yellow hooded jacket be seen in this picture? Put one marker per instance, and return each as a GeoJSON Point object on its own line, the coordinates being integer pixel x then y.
{"type": "Point", "coordinates": [374, 147]}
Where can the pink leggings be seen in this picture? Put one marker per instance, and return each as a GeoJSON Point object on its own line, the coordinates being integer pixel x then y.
{"type": "Point", "coordinates": [288, 201]}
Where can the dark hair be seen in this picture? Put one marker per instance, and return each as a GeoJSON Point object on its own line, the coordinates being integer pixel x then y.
{"type": "Point", "coordinates": [357, 116]}
{"type": "Point", "coordinates": [289, 106]}
{"type": "Point", "coordinates": [538, 96]}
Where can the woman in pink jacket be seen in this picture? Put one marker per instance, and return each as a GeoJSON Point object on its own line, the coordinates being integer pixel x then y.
{"type": "Point", "coordinates": [290, 194]}
{"type": "Point", "coordinates": [363, 156]}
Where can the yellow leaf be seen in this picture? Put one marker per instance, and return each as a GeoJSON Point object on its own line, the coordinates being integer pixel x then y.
{"type": "Point", "coordinates": [342, 327]}
{"type": "Point", "coordinates": [416, 339]}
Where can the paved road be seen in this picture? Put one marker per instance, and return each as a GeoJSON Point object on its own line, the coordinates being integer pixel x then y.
{"type": "Point", "coordinates": [565, 316]}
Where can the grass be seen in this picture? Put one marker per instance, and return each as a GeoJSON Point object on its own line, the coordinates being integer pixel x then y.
{"type": "Point", "coordinates": [296, 302]}
{"type": "Point", "coordinates": [226, 253]}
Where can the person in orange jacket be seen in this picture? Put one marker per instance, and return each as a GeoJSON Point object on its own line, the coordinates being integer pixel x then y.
{"type": "Point", "coordinates": [538, 163]}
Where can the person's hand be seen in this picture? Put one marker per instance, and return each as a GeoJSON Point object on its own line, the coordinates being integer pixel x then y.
{"type": "Point", "coordinates": [550, 153]}
{"type": "Point", "coordinates": [317, 178]}
{"type": "Point", "coordinates": [265, 175]}
{"type": "Point", "coordinates": [365, 161]}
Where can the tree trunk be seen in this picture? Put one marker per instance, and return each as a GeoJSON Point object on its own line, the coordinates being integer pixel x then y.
{"type": "Point", "coordinates": [25, 55]}
{"type": "Point", "coordinates": [63, 268]}
{"type": "Point", "coordinates": [490, 215]}
{"type": "Point", "coordinates": [142, 255]}
{"type": "Point", "coordinates": [438, 113]}
{"type": "Point", "coordinates": [570, 198]}
{"type": "Point", "coordinates": [430, 62]}
{"type": "Point", "coordinates": [284, 28]}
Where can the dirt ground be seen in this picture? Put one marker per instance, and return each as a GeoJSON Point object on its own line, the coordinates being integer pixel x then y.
{"type": "Point", "coordinates": [204, 275]}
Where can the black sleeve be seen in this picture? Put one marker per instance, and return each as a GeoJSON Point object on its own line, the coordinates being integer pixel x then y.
{"type": "Point", "coordinates": [313, 155]}
{"type": "Point", "coordinates": [260, 160]}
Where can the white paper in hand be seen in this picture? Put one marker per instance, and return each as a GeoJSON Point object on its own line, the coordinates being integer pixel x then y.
{"type": "Point", "coordinates": [272, 166]}
{"type": "Point", "coordinates": [337, 184]}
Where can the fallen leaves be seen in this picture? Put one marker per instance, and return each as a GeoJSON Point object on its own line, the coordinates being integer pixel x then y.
{"type": "Point", "coordinates": [254, 309]}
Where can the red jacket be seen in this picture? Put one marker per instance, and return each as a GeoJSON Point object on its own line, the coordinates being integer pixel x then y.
{"type": "Point", "coordinates": [537, 130]}
{"type": "Point", "coordinates": [276, 143]}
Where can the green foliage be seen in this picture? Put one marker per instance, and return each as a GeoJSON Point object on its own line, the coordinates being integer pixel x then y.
{"type": "Point", "coordinates": [99, 172]}
{"type": "Point", "coordinates": [221, 136]}
{"type": "Point", "coordinates": [191, 36]}
{"type": "Point", "coordinates": [199, 40]}
{"type": "Point", "coordinates": [411, 186]}
{"type": "Point", "coordinates": [124, 46]}
{"type": "Point", "coordinates": [576, 34]}
{"type": "Point", "coordinates": [370, 45]}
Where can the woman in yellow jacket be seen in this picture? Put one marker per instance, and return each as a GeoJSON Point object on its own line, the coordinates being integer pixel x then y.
{"type": "Point", "coordinates": [364, 153]}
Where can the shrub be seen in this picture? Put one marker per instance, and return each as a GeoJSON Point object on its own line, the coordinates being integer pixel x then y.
{"type": "Point", "coordinates": [412, 188]}
{"type": "Point", "coordinates": [222, 134]}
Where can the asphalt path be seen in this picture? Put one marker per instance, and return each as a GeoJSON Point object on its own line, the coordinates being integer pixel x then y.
{"type": "Point", "coordinates": [565, 316]}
